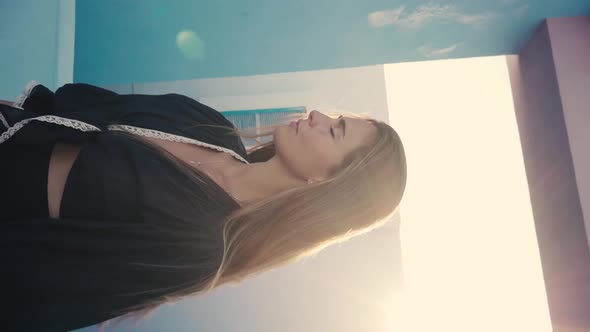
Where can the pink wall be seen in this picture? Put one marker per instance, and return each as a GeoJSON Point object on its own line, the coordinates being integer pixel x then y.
{"type": "Point", "coordinates": [551, 87]}
{"type": "Point", "coordinates": [570, 43]}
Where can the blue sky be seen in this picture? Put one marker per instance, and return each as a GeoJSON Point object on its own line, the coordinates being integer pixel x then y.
{"type": "Point", "coordinates": [155, 40]}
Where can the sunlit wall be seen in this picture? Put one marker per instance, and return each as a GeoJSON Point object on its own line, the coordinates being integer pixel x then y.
{"type": "Point", "coordinates": [469, 251]}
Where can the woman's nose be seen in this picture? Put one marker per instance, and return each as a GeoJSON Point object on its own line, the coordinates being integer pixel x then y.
{"type": "Point", "coordinates": [314, 118]}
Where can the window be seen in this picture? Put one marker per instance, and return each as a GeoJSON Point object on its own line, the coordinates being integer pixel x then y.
{"type": "Point", "coordinates": [243, 119]}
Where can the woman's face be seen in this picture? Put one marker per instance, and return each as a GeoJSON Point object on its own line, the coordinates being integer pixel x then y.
{"type": "Point", "coordinates": [310, 147]}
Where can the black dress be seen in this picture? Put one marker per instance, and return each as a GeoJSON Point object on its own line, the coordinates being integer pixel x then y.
{"type": "Point", "coordinates": [122, 213]}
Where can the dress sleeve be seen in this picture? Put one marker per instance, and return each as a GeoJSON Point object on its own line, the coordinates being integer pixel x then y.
{"type": "Point", "coordinates": [78, 96]}
{"type": "Point", "coordinates": [169, 113]}
{"type": "Point", "coordinates": [37, 98]}
{"type": "Point", "coordinates": [86, 98]}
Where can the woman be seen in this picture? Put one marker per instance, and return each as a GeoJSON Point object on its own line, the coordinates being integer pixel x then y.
{"type": "Point", "coordinates": [131, 201]}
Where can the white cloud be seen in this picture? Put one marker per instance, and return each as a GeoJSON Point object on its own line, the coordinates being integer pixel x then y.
{"type": "Point", "coordinates": [521, 10]}
{"type": "Point", "coordinates": [385, 17]}
{"type": "Point", "coordinates": [429, 52]}
{"type": "Point", "coordinates": [424, 15]}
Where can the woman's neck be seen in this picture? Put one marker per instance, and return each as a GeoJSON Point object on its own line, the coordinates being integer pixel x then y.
{"type": "Point", "coordinates": [256, 181]}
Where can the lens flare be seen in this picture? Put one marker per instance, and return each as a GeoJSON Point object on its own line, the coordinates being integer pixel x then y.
{"type": "Point", "coordinates": [190, 45]}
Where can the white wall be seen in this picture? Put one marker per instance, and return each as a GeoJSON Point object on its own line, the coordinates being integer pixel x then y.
{"type": "Point", "coordinates": [66, 31]}
{"type": "Point", "coordinates": [344, 288]}
{"type": "Point", "coordinates": [360, 89]}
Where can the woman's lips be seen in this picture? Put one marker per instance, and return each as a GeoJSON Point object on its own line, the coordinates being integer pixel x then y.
{"type": "Point", "coordinates": [295, 125]}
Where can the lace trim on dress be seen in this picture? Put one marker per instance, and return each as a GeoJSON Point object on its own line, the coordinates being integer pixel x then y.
{"type": "Point", "coordinates": [79, 125]}
{"type": "Point", "coordinates": [174, 138]}
{"type": "Point", "coordinates": [20, 100]}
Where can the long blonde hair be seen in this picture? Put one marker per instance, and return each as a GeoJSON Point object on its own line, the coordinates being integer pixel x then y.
{"type": "Point", "coordinates": [359, 196]}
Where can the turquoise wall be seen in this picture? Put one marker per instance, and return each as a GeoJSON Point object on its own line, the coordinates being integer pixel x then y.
{"type": "Point", "coordinates": [36, 43]}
